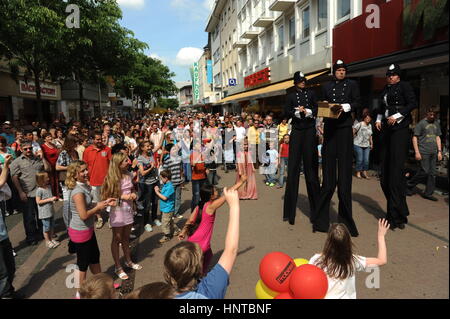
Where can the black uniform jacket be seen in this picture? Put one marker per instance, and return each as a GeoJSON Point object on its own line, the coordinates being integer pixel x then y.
{"type": "Point", "coordinates": [301, 97]}
{"type": "Point", "coordinates": [345, 91]}
{"type": "Point", "coordinates": [398, 98]}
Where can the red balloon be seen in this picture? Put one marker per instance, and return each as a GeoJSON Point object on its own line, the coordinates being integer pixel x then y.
{"type": "Point", "coordinates": [308, 282]}
{"type": "Point", "coordinates": [275, 271]}
{"type": "Point", "coordinates": [284, 295]}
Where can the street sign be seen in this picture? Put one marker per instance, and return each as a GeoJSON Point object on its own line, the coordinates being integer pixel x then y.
{"type": "Point", "coordinates": [232, 82]}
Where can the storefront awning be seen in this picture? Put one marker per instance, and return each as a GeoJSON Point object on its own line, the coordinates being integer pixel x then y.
{"type": "Point", "coordinates": [267, 91]}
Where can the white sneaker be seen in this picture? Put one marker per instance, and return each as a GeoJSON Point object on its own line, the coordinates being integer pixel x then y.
{"type": "Point", "coordinates": [157, 222]}
{"type": "Point", "coordinates": [148, 228]}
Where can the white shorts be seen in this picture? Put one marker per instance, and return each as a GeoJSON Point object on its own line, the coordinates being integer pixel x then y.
{"type": "Point", "coordinates": [96, 194]}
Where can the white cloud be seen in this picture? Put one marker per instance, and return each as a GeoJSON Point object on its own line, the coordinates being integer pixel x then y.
{"type": "Point", "coordinates": [187, 56]}
{"type": "Point", "coordinates": [132, 4]}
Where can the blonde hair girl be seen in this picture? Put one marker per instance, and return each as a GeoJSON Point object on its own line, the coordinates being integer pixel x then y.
{"type": "Point", "coordinates": [81, 211]}
{"type": "Point", "coordinates": [118, 184]}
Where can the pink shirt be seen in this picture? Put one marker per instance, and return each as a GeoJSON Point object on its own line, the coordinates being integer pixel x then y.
{"type": "Point", "coordinates": [123, 215]}
{"type": "Point", "coordinates": [203, 234]}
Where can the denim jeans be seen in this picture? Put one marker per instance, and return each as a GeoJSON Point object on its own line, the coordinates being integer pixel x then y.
{"type": "Point", "coordinates": [146, 198]}
{"type": "Point", "coordinates": [271, 178]}
{"type": "Point", "coordinates": [7, 268]}
{"type": "Point", "coordinates": [177, 199]}
{"type": "Point", "coordinates": [283, 166]}
{"type": "Point", "coordinates": [427, 173]}
{"type": "Point", "coordinates": [187, 169]}
{"type": "Point", "coordinates": [362, 158]}
{"type": "Point", "coordinates": [196, 185]}
{"type": "Point", "coordinates": [31, 222]}
{"type": "Point", "coordinates": [212, 177]}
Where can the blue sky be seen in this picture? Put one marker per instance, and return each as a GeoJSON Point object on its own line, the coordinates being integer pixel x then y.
{"type": "Point", "coordinates": [173, 29]}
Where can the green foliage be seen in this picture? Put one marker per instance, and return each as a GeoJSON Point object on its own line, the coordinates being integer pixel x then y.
{"type": "Point", "coordinates": [166, 103]}
{"type": "Point", "coordinates": [149, 77]}
{"type": "Point", "coordinates": [433, 15]}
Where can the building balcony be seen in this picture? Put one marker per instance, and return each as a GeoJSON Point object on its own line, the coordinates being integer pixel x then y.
{"type": "Point", "coordinates": [250, 34]}
{"type": "Point", "coordinates": [281, 5]}
{"type": "Point", "coordinates": [240, 44]}
{"type": "Point", "coordinates": [263, 22]}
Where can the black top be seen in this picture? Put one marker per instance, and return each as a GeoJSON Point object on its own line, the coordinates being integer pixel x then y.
{"type": "Point", "coordinates": [398, 98]}
{"type": "Point", "coordinates": [301, 97]}
{"type": "Point", "coordinates": [344, 91]}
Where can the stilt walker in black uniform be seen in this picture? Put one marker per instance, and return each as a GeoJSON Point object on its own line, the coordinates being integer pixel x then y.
{"type": "Point", "coordinates": [301, 106]}
{"type": "Point", "coordinates": [338, 151]}
{"type": "Point", "coordinates": [394, 117]}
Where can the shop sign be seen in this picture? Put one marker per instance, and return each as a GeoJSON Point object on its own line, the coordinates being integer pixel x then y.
{"type": "Point", "coordinates": [196, 83]}
{"type": "Point", "coordinates": [30, 88]}
{"type": "Point", "coordinates": [257, 78]}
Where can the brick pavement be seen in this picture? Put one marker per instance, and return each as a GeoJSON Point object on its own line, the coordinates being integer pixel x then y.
{"type": "Point", "coordinates": [418, 261]}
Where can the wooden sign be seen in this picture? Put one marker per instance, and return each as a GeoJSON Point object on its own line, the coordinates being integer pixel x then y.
{"type": "Point", "coordinates": [325, 111]}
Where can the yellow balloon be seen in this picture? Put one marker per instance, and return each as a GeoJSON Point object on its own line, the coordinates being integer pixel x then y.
{"type": "Point", "coordinates": [263, 292]}
{"type": "Point", "coordinates": [300, 261]}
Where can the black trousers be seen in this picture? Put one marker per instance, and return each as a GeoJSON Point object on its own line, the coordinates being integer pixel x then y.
{"type": "Point", "coordinates": [302, 148]}
{"type": "Point", "coordinates": [394, 153]}
{"type": "Point", "coordinates": [7, 268]}
{"type": "Point", "coordinates": [337, 151]}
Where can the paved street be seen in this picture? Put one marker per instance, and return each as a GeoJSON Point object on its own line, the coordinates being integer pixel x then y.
{"type": "Point", "coordinates": [418, 260]}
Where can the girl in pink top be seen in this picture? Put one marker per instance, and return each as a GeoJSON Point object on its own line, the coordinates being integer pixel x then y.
{"type": "Point", "coordinates": [199, 227]}
{"type": "Point", "coordinates": [118, 184]}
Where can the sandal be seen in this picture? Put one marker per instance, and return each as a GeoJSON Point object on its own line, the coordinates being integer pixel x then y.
{"type": "Point", "coordinates": [133, 266]}
{"type": "Point", "coordinates": [121, 274]}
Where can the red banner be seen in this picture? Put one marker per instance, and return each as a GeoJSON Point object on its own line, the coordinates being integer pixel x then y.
{"type": "Point", "coordinates": [257, 78]}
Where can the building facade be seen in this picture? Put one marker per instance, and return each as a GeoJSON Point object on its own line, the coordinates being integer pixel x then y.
{"type": "Point", "coordinates": [274, 39]}
{"type": "Point", "coordinates": [404, 36]}
{"type": "Point", "coordinates": [185, 98]}
{"type": "Point", "coordinates": [18, 101]}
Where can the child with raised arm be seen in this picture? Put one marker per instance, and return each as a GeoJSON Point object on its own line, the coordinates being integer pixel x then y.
{"type": "Point", "coordinates": [183, 262]}
{"type": "Point", "coordinates": [200, 225]}
{"type": "Point", "coordinates": [340, 263]}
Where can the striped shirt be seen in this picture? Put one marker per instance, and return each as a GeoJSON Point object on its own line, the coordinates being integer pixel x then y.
{"type": "Point", "coordinates": [174, 166]}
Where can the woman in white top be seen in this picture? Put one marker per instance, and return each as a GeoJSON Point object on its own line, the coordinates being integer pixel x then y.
{"type": "Point", "coordinates": [362, 144]}
{"type": "Point", "coordinates": [340, 263]}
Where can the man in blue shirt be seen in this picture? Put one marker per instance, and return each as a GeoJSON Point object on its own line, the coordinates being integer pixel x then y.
{"type": "Point", "coordinates": [167, 206]}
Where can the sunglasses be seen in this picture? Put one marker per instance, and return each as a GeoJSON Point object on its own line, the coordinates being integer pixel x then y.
{"type": "Point", "coordinates": [27, 148]}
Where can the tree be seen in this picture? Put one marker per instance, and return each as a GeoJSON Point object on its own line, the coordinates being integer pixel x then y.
{"type": "Point", "coordinates": [99, 47]}
{"type": "Point", "coordinates": [149, 77]}
{"type": "Point", "coordinates": [168, 103]}
{"type": "Point", "coordinates": [31, 34]}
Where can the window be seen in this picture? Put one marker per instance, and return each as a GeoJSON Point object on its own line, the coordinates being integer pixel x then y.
{"type": "Point", "coordinates": [305, 23]}
{"type": "Point", "coordinates": [343, 8]}
{"type": "Point", "coordinates": [292, 31]}
{"type": "Point", "coordinates": [270, 41]}
{"type": "Point", "coordinates": [280, 37]}
{"type": "Point", "coordinates": [321, 14]}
